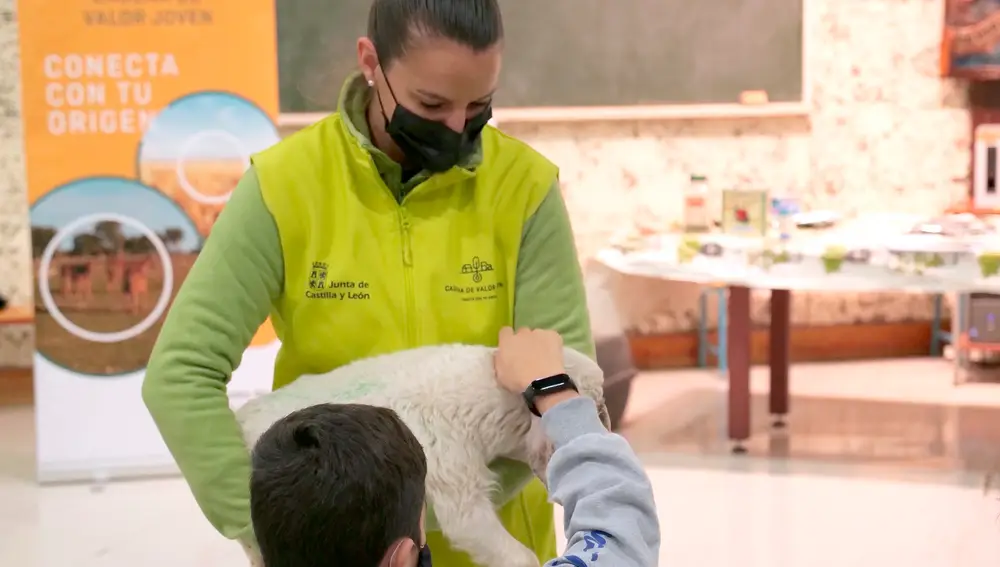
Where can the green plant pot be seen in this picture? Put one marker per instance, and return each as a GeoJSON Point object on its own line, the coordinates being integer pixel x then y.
{"type": "Point", "coordinates": [989, 264]}
{"type": "Point", "coordinates": [833, 259]}
{"type": "Point", "coordinates": [688, 249]}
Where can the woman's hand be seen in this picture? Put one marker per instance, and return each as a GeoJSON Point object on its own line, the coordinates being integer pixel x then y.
{"type": "Point", "coordinates": [526, 356]}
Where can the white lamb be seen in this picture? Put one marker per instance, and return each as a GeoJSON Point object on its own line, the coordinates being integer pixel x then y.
{"type": "Point", "coordinates": [449, 398]}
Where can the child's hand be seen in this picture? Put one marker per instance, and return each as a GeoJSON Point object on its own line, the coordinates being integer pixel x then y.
{"type": "Point", "coordinates": [526, 356]}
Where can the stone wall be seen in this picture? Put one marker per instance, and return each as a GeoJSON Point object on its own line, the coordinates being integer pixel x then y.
{"type": "Point", "coordinates": [884, 133]}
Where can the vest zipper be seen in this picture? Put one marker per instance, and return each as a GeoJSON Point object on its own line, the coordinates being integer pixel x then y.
{"type": "Point", "coordinates": [410, 314]}
{"type": "Point", "coordinates": [404, 224]}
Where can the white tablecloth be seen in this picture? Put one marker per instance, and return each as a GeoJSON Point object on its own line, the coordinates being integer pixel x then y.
{"type": "Point", "coordinates": [871, 254]}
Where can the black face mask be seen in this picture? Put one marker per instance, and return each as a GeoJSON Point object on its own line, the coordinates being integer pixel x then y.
{"type": "Point", "coordinates": [424, 559]}
{"type": "Point", "coordinates": [428, 144]}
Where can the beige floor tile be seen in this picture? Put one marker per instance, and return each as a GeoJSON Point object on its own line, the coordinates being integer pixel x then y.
{"type": "Point", "coordinates": [809, 497]}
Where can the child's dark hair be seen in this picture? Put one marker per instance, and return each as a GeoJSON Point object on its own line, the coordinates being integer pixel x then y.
{"type": "Point", "coordinates": [392, 24]}
{"type": "Point", "coordinates": [336, 485]}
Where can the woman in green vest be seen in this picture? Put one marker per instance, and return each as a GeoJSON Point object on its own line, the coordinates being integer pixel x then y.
{"type": "Point", "coordinates": [401, 220]}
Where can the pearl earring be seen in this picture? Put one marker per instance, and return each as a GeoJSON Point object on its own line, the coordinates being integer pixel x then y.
{"type": "Point", "coordinates": [371, 82]}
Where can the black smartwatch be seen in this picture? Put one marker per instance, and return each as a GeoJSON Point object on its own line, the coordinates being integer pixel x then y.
{"type": "Point", "coordinates": [545, 386]}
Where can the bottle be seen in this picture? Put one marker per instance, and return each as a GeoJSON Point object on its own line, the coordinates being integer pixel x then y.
{"type": "Point", "coordinates": [696, 213]}
{"type": "Point", "coordinates": [783, 211]}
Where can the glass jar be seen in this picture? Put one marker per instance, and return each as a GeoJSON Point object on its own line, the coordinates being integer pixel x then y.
{"type": "Point", "coordinates": [697, 216]}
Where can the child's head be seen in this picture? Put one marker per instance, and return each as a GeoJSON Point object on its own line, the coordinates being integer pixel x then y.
{"type": "Point", "coordinates": [338, 485]}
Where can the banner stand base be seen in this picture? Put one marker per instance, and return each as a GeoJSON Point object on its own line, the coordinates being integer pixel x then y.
{"type": "Point", "coordinates": [99, 476]}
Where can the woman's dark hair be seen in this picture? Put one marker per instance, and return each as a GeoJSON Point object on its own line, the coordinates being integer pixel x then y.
{"type": "Point", "coordinates": [393, 24]}
{"type": "Point", "coordinates": [336, 485]}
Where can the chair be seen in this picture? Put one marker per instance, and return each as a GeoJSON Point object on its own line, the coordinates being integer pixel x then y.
{"type": "Point", "coordinates": [614, 352]}
{"type": "Point", "coordinates": [705, 347]}
{"type": "Point", "coordinates": [939, 337]}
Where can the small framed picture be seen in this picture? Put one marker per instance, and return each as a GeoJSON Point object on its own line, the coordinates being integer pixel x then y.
{"type": "Point", "coordinates": [744, 212]}
{"type": "Point", "coordinates": [971, 40]}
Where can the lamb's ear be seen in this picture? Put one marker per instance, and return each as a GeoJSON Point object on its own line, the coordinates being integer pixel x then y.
{"type": "Point", "coordinates": [602, 412]}
{"type": "Point", "coordinates": [253, 554]}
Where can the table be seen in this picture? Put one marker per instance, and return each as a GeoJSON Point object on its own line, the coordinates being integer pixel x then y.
{"type": "Point", "coordinates": [828, 261]}
{"type": "Point", "coordinates": [779, 360]}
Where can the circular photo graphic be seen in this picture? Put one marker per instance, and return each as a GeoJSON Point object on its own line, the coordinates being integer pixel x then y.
{"type": "Point", "coordinates": [197, 148]}
{"type": "Point", "coordinates": [109, 256]}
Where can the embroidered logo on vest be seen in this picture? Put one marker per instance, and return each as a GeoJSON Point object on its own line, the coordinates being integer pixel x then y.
{"type": "Point", "coordinates": [317, 277]}
{"type": "Point", "coordinates": [321, 287]}
{"type": "Point", "coordinates": [476, 267]}
{"type": "Point", "coordinates": [477, 290]}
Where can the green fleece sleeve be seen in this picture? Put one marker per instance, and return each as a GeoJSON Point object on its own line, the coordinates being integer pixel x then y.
{"type": "Point", "coordinates": [549, 291]}
{"type": "Point", "coordinates": [224, 299]}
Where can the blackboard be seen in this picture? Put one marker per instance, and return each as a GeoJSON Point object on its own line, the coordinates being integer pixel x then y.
{"type": "Point", "coordinates": [579, 53]}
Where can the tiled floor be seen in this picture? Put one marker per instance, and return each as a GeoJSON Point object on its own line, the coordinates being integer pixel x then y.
{"type": "Point", "coordinates": [890, 417]}
{"type": "Point", "coordinates": [882, 465]}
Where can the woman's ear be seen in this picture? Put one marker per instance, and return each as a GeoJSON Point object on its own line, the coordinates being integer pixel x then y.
{"type": "Point", "coordinates": [367, 59]}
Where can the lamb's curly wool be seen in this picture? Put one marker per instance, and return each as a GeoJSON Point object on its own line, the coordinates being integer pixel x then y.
{"type": "Point", "coordinates": [449, 398]}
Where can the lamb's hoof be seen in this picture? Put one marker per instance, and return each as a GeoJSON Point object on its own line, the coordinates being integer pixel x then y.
{"type": "Point", "coordinates": [739, 449]}
{"type": "Point", "coordinates": [779, 422]}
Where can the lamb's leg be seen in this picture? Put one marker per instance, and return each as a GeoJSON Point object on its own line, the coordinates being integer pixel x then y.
{"type": "Point", "coordinates": [460, 497]}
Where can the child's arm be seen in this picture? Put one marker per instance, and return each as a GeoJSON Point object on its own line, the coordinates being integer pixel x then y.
{"type": "Point", "coordinates": [610, 516]}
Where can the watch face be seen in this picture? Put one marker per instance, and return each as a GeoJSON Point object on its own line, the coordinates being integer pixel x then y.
{"type": "Point", "coordinates": [545, 386]}
{"type": "Point", "coordinates": [552, 384]}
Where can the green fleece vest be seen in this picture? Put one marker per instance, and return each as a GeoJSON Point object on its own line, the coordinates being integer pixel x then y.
{"type": "Point", "coordinates": [368, 275]}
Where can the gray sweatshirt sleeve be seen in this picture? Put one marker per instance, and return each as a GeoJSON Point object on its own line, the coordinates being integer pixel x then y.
{"type": "Point", "coordinates": [610, 516]}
